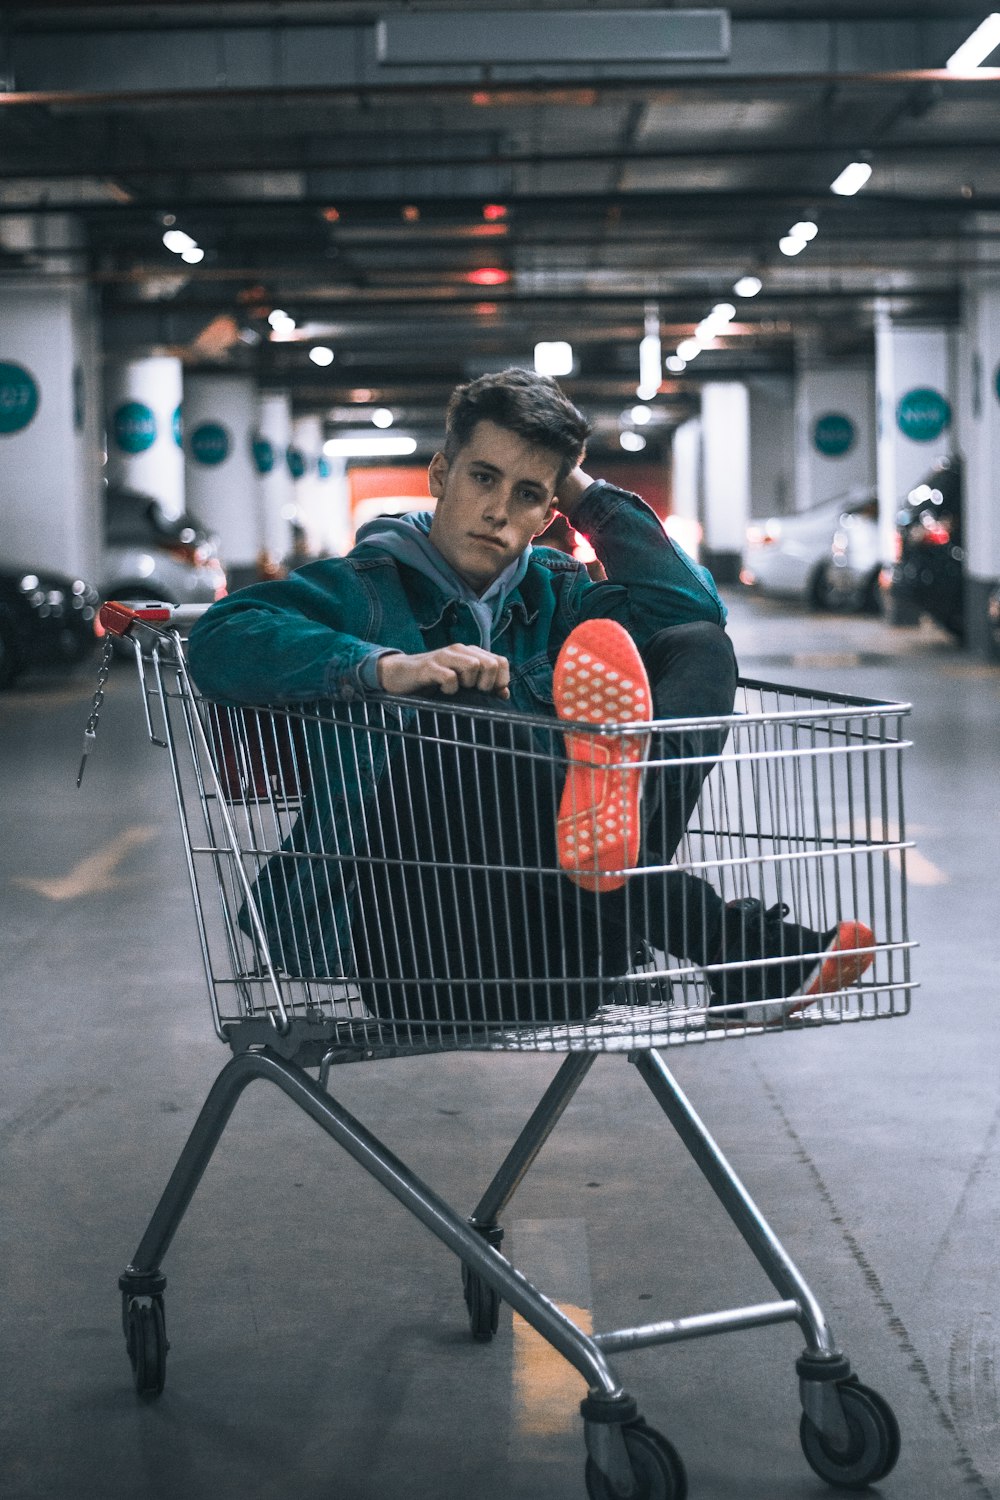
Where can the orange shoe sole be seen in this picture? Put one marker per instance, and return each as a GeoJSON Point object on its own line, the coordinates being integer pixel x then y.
{"type": "Point", "coordinates": [600, 679]}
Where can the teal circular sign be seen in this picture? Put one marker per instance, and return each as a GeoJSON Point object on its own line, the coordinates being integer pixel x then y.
{"type": "Point", "coordinates": [134, 426]}
{"type": "Point", "coordinates": [834, 434]}
{"type": "Point", "coordinates": [923, 414]}
{"type": "Point", "coordinates": [18, 397]}
{"type": "Point", "coordinates": [996, 381]}
{"type": "Point", "coordinates": [263, 454]}
{"type": "Point", "coordinates": [296, 461]}
{"type": "Point", "coordinates": [210, 444]}
{"type": "Point", "coordinates": [323, 467]}
{"type": "Point", "coordinates": [177, 425]}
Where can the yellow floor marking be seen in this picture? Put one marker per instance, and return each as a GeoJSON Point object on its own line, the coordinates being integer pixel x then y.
{"type": "Point", "coordinates": [95, 872]}
{"type": "Point", "coordinates": [547, 1389]}
{"type": "Point", "coordinates": [919, 869]}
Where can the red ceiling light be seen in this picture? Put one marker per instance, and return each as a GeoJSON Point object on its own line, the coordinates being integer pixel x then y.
{"type": "Point", "coordinates": [411, 213]}
{"type": "Point", "coordinates": [331, 215]}
{"type": "Point", "coordinates": [481, 97]}
{"type": "Point", "coordinates": [488, 276]}
{"type": "Point", "coordinates": [494, 211]}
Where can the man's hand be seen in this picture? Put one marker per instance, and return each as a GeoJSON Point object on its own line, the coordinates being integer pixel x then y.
{"type": "Point", "coordinates": [446, 670]}
{"type": "Point", "coordinates": [571, 490]}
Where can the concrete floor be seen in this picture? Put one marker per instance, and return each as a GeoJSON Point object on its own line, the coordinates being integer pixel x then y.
{"type": "Point", "coordinates": [319, 1346]}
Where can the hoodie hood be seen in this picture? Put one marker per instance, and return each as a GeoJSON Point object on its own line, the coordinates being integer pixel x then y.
{"type": "Point", "coordinates": [407, 539]}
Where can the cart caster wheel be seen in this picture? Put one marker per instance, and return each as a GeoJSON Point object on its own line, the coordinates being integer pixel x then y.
{"type": "Point", "coordinates": [874, 1440]}
{"type": "Point", "coordinates": [656, 1466]}
{"type": "Point", "coordinates": [483, 1304]}
{"type": "Point", "coordinates": [147, 1346]}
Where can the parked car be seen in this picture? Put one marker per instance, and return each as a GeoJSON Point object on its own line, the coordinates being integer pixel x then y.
{"type": "Point", "coordinates": [827, 555]}
{"type": "Point", "coordinates": [150, 555]}
{"type": "Point", "coordinates": [46, 619]}
{"type": "Point", "coordinates": [928, 576]}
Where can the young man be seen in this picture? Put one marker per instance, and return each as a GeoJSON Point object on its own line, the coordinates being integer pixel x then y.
{"type": "Point", "coordinates": [441, 835]}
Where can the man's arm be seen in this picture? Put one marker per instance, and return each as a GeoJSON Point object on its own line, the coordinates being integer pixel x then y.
{"type": "Point", "coordinates": [651, 582]}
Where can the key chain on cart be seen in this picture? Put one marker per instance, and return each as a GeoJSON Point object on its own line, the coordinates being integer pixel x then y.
{"type": "Point", "coordinates": [120, 616]}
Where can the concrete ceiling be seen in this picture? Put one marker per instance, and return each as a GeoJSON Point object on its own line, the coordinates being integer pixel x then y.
{"type": "Point", "coordinates": [327, 172]}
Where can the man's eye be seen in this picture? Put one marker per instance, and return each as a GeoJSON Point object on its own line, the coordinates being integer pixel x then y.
{"type": "Point", "coordinates": [483, 478]}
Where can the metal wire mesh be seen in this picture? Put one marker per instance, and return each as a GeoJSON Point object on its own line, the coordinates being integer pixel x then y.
{"type": "Point", "coordinates": [386, 871]}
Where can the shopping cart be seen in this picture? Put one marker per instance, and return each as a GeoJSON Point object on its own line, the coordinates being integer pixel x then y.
{"type": "Point", "coordinates": [376, 879]}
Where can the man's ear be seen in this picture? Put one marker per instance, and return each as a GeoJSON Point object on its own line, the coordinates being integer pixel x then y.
{"type": "Point", "coordinates": [549, 517]}
{"type": "Point", "coordinates": [437, 473]}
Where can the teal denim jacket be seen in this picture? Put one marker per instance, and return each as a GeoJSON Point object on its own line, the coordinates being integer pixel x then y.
{"type": "Point", "coordinates": [303, 639]}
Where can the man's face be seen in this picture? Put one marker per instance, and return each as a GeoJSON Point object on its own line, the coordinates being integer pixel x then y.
{"type": "Point", "coordinates": [494, 496]}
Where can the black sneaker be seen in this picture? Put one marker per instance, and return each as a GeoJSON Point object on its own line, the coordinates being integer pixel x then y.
{"type": "Point", "coordinates": [811, 963]}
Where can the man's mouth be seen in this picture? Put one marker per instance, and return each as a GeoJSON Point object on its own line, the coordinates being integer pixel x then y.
{"type": "Point", "coordinates": [494, 541]}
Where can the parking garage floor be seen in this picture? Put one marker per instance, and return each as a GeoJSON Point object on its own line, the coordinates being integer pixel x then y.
{"type": "Point", "coordinates": [318, 1337]}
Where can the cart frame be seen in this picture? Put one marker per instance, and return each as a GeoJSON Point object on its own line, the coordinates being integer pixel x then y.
{"type": "Point", "coordinates": [848, 1432]}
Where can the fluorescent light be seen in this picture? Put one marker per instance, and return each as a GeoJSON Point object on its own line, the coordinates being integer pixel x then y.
{"type": "Point", "coordinates": [675, 364]}
{"type": "Point", "coordinates": [321, 355]}
{"type": "Point", "coordinates": [805, 229]}
{"type": "Point", "coordinates": [279, 318]}
{"type": "Point", "coordinates": [723, 312]}
{"type": "Point", "coordinates": [640, 415]}
{"type": "Point", "coordinates": [177, 241]}
{"type": "Point", "coordinates": [977, 47]}
{"type": "Point", "coordinates": [193, 255]}
{"type": "Point", "coordinates": [852, 179]}
{"type": "Point", "coordinates": [632, 442]}
{"type": "Point", "coordinates": [688, 349]}
{"type": "Point", "coordinates": [790, 244]}
{"type": "Point", "coordinates": [555, 358]}
{"type": "Point", "coordinates": [369, 447]}
{"type": "Point", "coordinates": [382, 417]}
{"type": "Point", "coordinates": [650, 362]}
{"type": "Point", "coordinates": [748, 286]}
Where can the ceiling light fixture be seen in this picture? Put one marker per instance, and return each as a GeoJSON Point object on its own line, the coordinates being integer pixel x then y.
{"type": "Point", "coordinates": [555, 358]}
{"type": "Point", "coordinates": [805, 229]}
{"type": "Point", "coordinates": [494, 211]}
{"type": "Point", "coordinates": [632, 442]}
{"type": "Point", "coordinates": [177, 241]}
{"type": "Point", "coordinates": [640, 415]}
{"type": "Point", "coordinates": [369, 447]}
{"type": "Point", "coordinates": [193, 255]}
{"type": "Point", "coordinates": [790, 244]}
{"type": "Point", "coordinates": [688, 349]}
{"type": "Point", "coordinates": [976, 48]}
{"type": "Point", "coordinates": [650, 355]}
{"type": "Point", "coordinates": [488, 276]}
{"type": "Point", "coordinates": [321, 355]}
{"type": "Point", "coordinates": [723, 312]}
{"type": "Point", "coordinates": [748, 286]}
{"type": "Point", "coordinates": [382, 417]}
{"type": "Point", "coordinates": [675, 364]}
{"type": "Point", "coordinates": [852, 179]}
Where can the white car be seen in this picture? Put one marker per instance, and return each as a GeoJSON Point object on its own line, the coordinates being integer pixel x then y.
{"type": "Point", "coordinates": [827, 556]}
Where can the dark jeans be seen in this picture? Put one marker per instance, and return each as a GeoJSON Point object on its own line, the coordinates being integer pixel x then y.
{"type": "Point", "coordinates": [462, 914]}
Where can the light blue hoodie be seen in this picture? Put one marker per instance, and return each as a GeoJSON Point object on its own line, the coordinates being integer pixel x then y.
{"type": "Point", "coordinates": [407, 539]}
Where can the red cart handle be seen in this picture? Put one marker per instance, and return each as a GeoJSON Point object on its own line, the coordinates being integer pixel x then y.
{"type": "Point", "coordinates": [118, 618]}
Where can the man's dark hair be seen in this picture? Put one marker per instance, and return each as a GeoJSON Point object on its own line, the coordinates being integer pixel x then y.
{"type": "Point", "coordinates": [530, 405]}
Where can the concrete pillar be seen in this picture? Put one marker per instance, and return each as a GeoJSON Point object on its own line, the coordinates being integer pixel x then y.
{"type": "Point", "coordinates": [220, 420]}
{"type": "Point", "coordinates": [834, 431]}
{"type": "Point", "coordinates": [979, 433]}
{"type": "Point", "coordinates": [725, 417]}
{"type": "Point", "coordinates": [321, 492]}
{"type": "Point", "coordinates": [142, 400]}
{"type": "Point", "coordinates": [915, 381]}
{"type": "Point", "coordinates": [686, 486]}
{"type": "Point", "coordinates": [51, 428]}
{"type": "Point", "coordinates": [276, 488]}
{"type": "Point", "coordinates": [772, 445]}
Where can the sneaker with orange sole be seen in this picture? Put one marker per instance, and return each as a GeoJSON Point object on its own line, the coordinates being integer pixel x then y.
{"type": "Point", "coordinates": [781, 967]}
{"type": "Point", "coordinates": [600, 679]}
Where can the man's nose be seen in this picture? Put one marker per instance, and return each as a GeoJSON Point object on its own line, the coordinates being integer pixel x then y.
{"type": "Point", "coordinates": [498, 507]}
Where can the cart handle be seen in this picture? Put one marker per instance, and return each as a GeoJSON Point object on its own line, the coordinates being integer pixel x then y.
{"type": "Point", "coordinates": [118, 616]}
